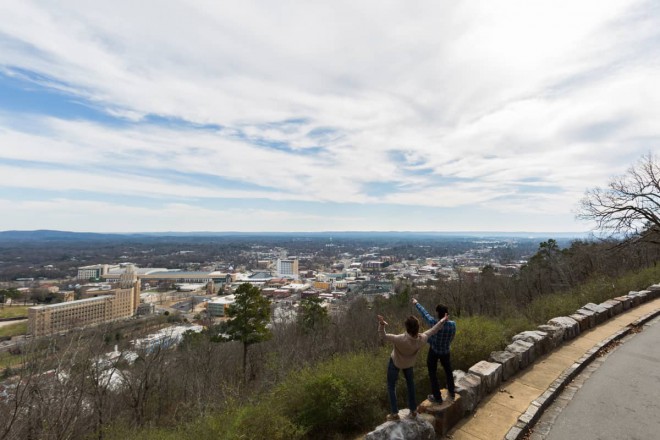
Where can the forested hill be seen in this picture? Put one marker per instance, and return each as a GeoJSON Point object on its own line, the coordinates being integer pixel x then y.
{"type": "Point", "coordinates": [54, 235]}
{"type": "Point", "coordinates": [50, 235]}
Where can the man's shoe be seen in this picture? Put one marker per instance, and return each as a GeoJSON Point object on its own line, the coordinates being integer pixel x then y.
{"type": "Point", "coordinates": [412, 415]}
{"type": "Point", "coordinates": [432, 399]}
{"type": "Point", "coordinates": [450, 397]}
{"type": "Point", "coordinates": [392, 417]}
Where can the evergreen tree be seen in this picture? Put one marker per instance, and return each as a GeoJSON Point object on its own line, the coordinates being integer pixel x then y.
{"type": "Point", "coordinates": [250, 315]}
{"type": "Point", "coordinates": [312, 315]}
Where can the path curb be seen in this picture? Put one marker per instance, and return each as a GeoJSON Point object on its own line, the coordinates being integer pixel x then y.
{"type": "Point", "coordinates": [534, 411]}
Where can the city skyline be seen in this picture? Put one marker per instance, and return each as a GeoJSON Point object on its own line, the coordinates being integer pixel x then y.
{"type": "Point", "coordinates": [298, 116]}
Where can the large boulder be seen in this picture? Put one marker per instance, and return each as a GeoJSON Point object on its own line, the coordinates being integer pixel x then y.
{"type": "Point", "coordinates": [470, 389]}
{"type": "Point", "coordinates": [540, 339]}
{"type": "Point", "coordinates": [615, 306]}
{"type": "Point", "coordinates": [490, 373]}
{"type": "Point", "coordinates": [625, 301]}
{"type": "Point", "coordinates": [608, 308]}
{"type": "Point", "coordinates": [654, 291]}
{"type": "Point", "coordinates": [404, 429]}
{"type": "Point", "coordinates": [555, 334]}
{"type": "Point", "coordinates": [644, 295]}
{"type": "Point", "coordinates": [508, 360]}
{"type": "Point", "coordinates": [589, 315]}
{"type": "Point", "coordinates": [602, 313]}
{"type": "Point", "coordinates": [458, 375]}
{"type": "Point", "coordinates": [585, 322]}
{"type": "Point", "coordinates": [524, 351]}
{"type": "Point", "coordinates": [636, 299]}
{"type": "Point", "coordinates": [570, 326]}
{"type": "Point", "coordinates": [443, 416]}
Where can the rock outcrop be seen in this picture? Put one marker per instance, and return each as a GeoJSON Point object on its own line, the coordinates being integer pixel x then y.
{"type": "Point", "coordinates": [417, 428]}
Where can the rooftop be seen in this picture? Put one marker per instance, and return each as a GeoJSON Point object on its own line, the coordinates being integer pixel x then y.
{"type": "Point", "coordinates": [68, 303]}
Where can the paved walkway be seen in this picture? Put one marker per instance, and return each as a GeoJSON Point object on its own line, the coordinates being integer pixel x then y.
{"type": "Point", "coordinates": [499, 411]}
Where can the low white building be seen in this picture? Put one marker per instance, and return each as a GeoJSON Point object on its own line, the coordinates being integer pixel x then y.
{"type": "Point", "coordinates": [95, 271]}
{"type": "Point", "coordinates": [165, 338]}
{"type": "Point", "coordinates": [218, 306]}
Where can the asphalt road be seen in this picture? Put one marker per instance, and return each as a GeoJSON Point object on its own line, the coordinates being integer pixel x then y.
{"type": "Point", "coordinates": [621, 399]}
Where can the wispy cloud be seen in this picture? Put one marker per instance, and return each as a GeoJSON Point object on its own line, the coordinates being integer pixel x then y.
{"type": "Point", "coordinates": [515, 107]}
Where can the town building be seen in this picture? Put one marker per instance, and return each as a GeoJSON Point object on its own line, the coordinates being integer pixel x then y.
{"type": "Point", "coordinates": [158, 275]}
{"type": "Point", "coordinates": [119, 303]}
{"type": "Point", "coordinates": [94, 272]}
{"type": "Point", "coordinates": [218, 306]}
{"type": "Point", "coordinates": [287, 267]}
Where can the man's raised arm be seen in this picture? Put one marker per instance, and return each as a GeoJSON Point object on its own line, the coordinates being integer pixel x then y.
{"type": "Point", "coordinates": [430, 320]}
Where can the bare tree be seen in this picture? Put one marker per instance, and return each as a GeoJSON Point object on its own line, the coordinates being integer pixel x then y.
{"type": "Point", "coordinates": [102, 377]}
{"type": "Point", "coordinates": [630, 205]}
{"type": "Point", "coordinates": [46, 395]}
{"type": "Point", "coordinates": [142, 382]}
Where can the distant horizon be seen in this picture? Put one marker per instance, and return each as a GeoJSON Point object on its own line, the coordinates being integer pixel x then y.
{"type": "Point", "coordinates": [438, 232]}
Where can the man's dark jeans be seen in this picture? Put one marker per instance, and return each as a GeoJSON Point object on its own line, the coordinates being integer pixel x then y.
{"type": "Point", "coordinates": [392, 377]}
{"type": "Point", "coordinates": [432, 364]}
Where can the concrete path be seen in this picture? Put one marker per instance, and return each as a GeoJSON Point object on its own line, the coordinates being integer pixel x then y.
{"type": "Point", "coordinates": [8, 323]}
{"type": "Point", "coordinates": [499, 411]}
{"type": "Point", "coordinates": [620, 399]}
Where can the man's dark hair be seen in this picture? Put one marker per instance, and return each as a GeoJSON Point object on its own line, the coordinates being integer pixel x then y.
{"type": "Point", "coordinates": [412, 326]}
{"type": "Point", "coordinates": [441, 310]}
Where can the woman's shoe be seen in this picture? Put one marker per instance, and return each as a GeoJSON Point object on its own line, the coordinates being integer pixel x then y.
{"type": "Point", "coordinates": [392, 417]}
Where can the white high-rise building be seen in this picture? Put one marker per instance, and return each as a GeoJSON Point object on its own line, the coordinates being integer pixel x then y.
{"type": "Point", "coordinates": [96, 271]}
{"type": "Point", "coordinates": [287, 268]}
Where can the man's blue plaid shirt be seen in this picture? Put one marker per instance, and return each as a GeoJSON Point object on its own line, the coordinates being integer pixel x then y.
{"type": "Point", "coordinates": [440, 341]}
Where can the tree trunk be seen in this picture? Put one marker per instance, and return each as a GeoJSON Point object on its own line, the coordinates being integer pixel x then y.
{"type": "Point", "coordinates": [245, 350]}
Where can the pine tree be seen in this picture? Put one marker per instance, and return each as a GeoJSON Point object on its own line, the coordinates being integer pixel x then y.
{"type": "Point", "coordinates": [312, 315]}
{"type": "Point", "coordinates": [250, 316]}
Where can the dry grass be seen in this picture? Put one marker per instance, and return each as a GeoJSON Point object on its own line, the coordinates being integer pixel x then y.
{"type": "Point", "coordinates": [13, 311]}
{"type": "Point", "coordinates": [17, 329]}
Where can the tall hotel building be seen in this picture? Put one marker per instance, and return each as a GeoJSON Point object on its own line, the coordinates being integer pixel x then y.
{"type": "Point", "coordinates": [287, 268]}
{"type": "Point", "coordinates": [119, 303]}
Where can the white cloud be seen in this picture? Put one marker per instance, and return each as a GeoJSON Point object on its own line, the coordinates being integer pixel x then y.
{"type": "Point", "coordinates": [448, 105]}
{"type": "Point", "coordinates": [107, 217]}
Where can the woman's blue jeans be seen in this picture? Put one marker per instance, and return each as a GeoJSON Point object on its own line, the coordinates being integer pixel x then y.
{"type": "Point", "coordinates": [392, 377]}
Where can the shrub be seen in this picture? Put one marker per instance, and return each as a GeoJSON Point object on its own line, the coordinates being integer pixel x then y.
{"type": "Point", "coordinates": [340, 396]}
{"type": "Point", "coordinates": [262, 420]}
{"type": "Point", "coordinates": [120, 432]}
{"type": "Point", "coordinates": [477, 336]}
{"type": "Point", "coordinates": [549, 306]}
{"type": "Point", "coordinates": [596, 290]}
{"type": "Point", "coordinates": [245, 422]}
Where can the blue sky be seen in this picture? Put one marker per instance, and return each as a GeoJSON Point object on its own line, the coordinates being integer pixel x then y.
{"type": "Point", "coordinates": [307, 116]}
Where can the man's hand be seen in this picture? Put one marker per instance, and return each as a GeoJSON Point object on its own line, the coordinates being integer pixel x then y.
{"type": "Point", "coordinates": [414, 301]}
{"type": "Point", "coordinates": [445, 318]}
{"type": "Point", "coordinates": [381, 320]}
